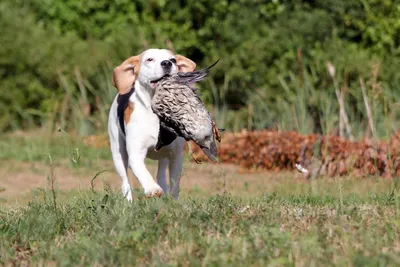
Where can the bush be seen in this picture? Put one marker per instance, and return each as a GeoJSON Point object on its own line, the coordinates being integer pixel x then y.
{"type": "Point", "coordinates": [47, 42]}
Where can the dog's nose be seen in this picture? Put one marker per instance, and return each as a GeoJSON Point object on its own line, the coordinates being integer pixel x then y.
{"type": "Point", "coordinates": [166, 64]}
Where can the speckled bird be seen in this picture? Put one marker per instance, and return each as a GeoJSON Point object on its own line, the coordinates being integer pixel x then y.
{"type": "Point", "coordinates": [182, 113]}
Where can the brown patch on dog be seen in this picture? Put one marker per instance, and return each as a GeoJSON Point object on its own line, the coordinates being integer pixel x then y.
{"type": "Point", "coordinates": [128, 111]}
{"type": "Point", "coordinates": [184, 64]}
{"type": "Point", "coordinates": [125, 75]}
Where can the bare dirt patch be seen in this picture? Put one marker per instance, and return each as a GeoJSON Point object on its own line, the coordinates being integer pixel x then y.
{"type": "Point", "coordinates": [19, 180]}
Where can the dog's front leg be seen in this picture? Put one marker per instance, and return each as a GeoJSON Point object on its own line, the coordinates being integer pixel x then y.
{"type": "Point", "coordinates": [119, 155]}
{"type": "Point", "coordinates": [120, 158]}
{"type": "Point", "coordinates": [137, 156]}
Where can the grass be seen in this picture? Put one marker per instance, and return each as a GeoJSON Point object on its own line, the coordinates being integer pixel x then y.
{"type": "Point", "coordinates": [223, 218]}
{"type": "Point", "coordinates": [102, 229]}
{"type": "Point", "coordinates": [33, 147]}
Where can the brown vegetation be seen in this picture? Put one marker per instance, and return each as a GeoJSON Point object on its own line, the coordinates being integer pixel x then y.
{"type": "Point", "coordinates": [320, 155]}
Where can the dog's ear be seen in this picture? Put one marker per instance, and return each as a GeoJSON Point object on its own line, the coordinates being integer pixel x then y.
{"type": "Point", "coordinates": [125, 75]}
{"type": "Point", "coordinates": [184, 64]}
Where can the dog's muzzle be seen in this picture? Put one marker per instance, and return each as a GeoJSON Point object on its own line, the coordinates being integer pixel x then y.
{"type": "Point", "coordinates": [159, 79]}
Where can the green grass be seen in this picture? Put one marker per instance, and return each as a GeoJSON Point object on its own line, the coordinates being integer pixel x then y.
{"type": "Point", "coordinates": [103, 229]}
{"type": "Point", "coordinates": [35, 147]}
{"type": "Point", "coordinates": [263, 219]}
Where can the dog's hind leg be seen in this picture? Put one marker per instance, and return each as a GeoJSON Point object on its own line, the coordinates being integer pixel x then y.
{"type": "Point", "coordinates": [162, 174]}
{"type": "Point", "coordinates": [175, 173]}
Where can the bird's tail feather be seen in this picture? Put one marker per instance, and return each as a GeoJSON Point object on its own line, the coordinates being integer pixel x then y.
{"type": "Point", "coordinates": [195, 76]}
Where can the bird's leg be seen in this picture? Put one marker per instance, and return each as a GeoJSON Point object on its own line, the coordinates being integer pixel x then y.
{"type": "Point", "coordinates": [216, 132]}
{"type": "Point", "coordinates": [191, 154]}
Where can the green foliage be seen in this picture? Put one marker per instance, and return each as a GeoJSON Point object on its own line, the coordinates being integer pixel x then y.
{"type": "Point", "coordinates": [46, 43]}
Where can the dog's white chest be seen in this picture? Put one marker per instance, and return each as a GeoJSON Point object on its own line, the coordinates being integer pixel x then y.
{"type": "Point", "coordinates": [146, 124]}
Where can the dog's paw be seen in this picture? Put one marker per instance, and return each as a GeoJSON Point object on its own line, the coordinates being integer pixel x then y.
{"type": "Point", "coordinates": [129, 197]}
{"type": "Point", "coordinates": [127, 192]}
{"type": "Point", "coordinates": [154, 191]}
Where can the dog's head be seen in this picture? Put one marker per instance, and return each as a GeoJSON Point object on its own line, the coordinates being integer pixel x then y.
{"type": "Point", "coordinates": [149, 66]}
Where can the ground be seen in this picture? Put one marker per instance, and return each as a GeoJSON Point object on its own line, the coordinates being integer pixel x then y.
{"type": "Point", "coordinates": [223, 218]}
{"type": "Point", "coordinates": [19, 181]}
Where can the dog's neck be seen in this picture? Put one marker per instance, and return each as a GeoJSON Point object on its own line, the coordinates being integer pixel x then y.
{"type": "Point", "coordinates": [144, 93]}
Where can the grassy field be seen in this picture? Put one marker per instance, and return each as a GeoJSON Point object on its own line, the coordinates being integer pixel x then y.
{"type": "Point", "coordinates": [223, 219]}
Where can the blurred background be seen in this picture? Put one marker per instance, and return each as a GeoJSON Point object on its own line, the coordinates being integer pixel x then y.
{"type": "Point", "coordinates": [307, 90]}
{"type": "Point", "coordinates": [286, 65]}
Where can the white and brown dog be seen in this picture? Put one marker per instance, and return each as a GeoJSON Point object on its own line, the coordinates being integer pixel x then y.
{"type": "Point", "coordinates": [133, 127]}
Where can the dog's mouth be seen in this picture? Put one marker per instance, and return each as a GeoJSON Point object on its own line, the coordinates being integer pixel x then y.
{"type": "Point", "coordinates": [154, 82]}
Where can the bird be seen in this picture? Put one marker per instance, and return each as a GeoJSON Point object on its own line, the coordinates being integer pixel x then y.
{"type": "Point", "coordinates": [182, 113]}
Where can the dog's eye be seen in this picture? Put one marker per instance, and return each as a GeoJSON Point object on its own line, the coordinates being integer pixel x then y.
{"type": "Point", "coordinates": [149, 59]}
{"type": "Point", "coordinates": [173, 60]}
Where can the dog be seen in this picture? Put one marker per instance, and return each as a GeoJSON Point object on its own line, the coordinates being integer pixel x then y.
{"type": "Point", "coordinates": [133, 128]}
